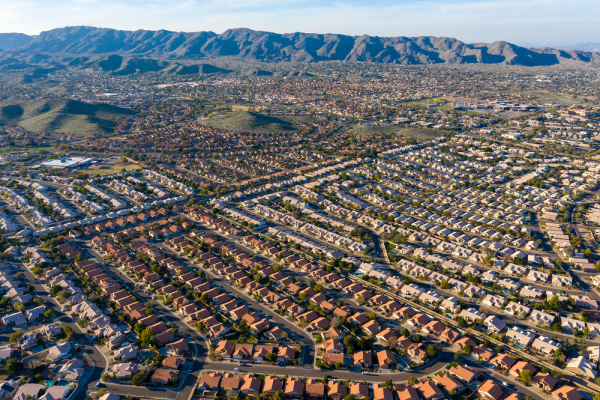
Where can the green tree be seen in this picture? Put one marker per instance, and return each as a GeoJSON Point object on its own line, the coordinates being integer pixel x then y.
{"type": "Point", "coordinates": [349, 341]}
{"type": "Point", "coordinates": [526, 376]}
{"type": "Point", "coordinates": [147, 338]}
{"type": "Point", "coordinates": [13, 365]}
{"type": "Point", "coordinates": [204, 298]}
{"type": "Point", "coordinates": [49, 313]}
{"type": "Point", "coordinates": [138, 379]}
{"type": "Point", "coordinates": [16, 337]}
{"type": "Point", "coordinates": [433, 350]}
{"type": "Point", "coordinates": [468, 349]}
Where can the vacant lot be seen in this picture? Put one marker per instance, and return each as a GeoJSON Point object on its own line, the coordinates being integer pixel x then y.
{"type": "Point", "coordinates": [245, 121]}
{"type": "Point", "coordinates": [416, 133]}
{"type": "Point", "coordinates": [110, 168]}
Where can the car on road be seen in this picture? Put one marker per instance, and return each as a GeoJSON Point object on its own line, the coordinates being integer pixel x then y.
{"type": "Point", "coordinates": [505, 384]}
{"type": "Point", "coordinates": [365, 372]}
{"type": "Point", "coordinates": [237, 370]}
{"type": "Point", "coordinates": [98, 384]}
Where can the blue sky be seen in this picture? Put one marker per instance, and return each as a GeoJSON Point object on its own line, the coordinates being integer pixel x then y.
{"type": "Point", "coordinates": [527, 22]}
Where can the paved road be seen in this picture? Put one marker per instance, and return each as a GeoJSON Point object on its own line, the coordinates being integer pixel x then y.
{"type": "Point", "coordinates": [445, 358]}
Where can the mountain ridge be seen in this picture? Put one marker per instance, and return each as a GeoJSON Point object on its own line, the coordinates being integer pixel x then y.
{"type": "Point", "coordinates": [247, 44]}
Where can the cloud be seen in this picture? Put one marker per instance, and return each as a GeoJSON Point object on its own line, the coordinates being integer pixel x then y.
{"type": "Point", "coordinates": [542, 21]}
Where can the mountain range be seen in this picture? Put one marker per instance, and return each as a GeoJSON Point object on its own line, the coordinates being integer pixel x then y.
{"type": "Point", "coordinates": [126, 52]}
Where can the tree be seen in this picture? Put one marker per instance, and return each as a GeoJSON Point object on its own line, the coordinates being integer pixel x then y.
{"type": "Point", "coordinates": [13, 365]}
{"type": "Point", "coordinates": [349, 341]}
{"type": "Point", "coordinates": [575, 241]}
{"type": "Point", "coordinates": [303, 296]}
{"type": "Point", "coordinates": [279, 395]}
{"type": "Point", "coordinates": [416, 338]}
{"type": "Point", "coordinates": [63, 294]}
{"type": "Point", "coordinates": [433, 350]}
{"type": "Point", "coordinates": [16, 337]}
{"type": "Point", "coordinates": [360, 299]}
{"type": "Point", "coordinates": [201, 326]}
{"type": "Point", "coordinates": [526, 377]}
{"type": "Point", "coordinates": [388, 384]}
{"type": "Point", "coordinates": [412, 380]}
{"type": "Point", "coordinates": [139, 328]}
{"type": "Point", "coordinates": [49, 313]}
{"type": "Point", "coordinates": [138, 379]}
{"type": "Point", "coordinates": [105, 377]}
{"type": "Point", "coordinates": [147, 338]}
{"type": "Point", "coordinates": [204, 298]}
{"type": "Point", "coordinates": [468, 349]}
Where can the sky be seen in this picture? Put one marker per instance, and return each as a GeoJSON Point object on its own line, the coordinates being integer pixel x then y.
{"type": "Point", "coordinates": [524, 22]}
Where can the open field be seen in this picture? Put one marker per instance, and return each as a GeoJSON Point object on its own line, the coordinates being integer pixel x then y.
{"type": "Point", "coordinates": [5, 151]}
{"type": "Point", "coordinates": [416, 133]}
{"type": "Point", "coordinates": [109, 168]}
{"type": "Point", "coordinates": [245, 121]}
{"type": "Point", "coordinates": [426, 102]}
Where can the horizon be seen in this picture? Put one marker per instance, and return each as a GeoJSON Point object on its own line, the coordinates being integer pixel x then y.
{"type": "Point", "coordinates": [529, 23]}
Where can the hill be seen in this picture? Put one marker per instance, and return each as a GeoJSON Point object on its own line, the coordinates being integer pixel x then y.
{"type": "Point", "coordinates": [10, 41]}
{"type": "Point", "coordinates": [246, 121]}
{"type": "Point", "coordinates": [61, 115]}
{"type": "Point", "coordinates": [292, 47]}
